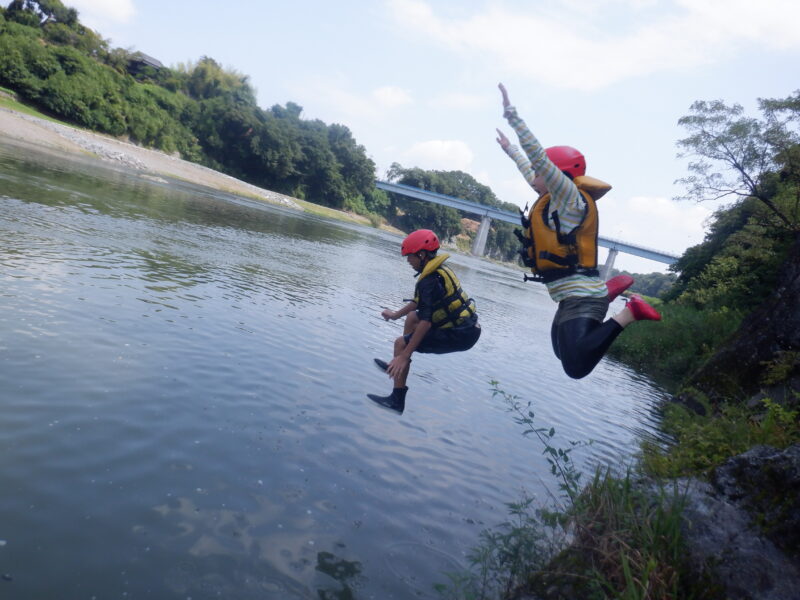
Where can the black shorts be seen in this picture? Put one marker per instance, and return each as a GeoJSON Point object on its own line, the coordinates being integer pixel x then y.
{"type": "Point", "coordinates": [450, 339]}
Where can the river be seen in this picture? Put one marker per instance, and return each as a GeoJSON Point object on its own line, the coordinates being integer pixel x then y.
{"type": "Point", "coordinates": [182, 386]}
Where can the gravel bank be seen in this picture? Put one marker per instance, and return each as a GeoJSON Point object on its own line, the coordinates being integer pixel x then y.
{"type": "Point", "coordinates": [63, 138]}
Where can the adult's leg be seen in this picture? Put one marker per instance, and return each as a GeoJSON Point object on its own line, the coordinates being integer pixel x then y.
{"type": "Point", "coordinates": [582, 342]}
{"type": "Point", "coordinates": [554, 337]}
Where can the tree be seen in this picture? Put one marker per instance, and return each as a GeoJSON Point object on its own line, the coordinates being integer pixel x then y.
{"type": "Point", "coordinates": [736, 155]}
{"type": "Point", "coordinates": [753, 160]}
{"type": "Point", "coordinates": [44, 11]}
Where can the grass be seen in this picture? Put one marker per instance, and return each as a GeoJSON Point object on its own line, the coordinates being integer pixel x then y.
{"type": "Point", "coordinates": [341, 215]}
{"type": "Point", "coordinates": [9, 101]}
{"type": "Point", "coordinates": [627, 544]}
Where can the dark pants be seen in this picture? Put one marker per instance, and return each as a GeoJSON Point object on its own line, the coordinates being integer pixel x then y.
{"type": "Point", "coordinates": [449, 339]}
{"type": "Point", "coordinates": [580, 337]}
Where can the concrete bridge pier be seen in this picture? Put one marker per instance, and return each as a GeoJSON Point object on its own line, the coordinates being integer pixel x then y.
{"type": "Point", "coordinates": [605, 270]}
{"type": "Point", "coordinates": [479, 243]}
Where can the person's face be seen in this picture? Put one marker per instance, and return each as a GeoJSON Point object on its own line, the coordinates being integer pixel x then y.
{"type": "Point", "coordinates": [539, 185]}
{"type": "Point", "coordinates": [415, 261]}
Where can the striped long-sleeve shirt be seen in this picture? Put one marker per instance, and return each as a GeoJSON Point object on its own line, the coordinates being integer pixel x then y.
{"type": "Point", "coordinates": [565, 199]}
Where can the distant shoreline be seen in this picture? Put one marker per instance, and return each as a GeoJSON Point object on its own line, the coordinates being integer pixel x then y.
{"type": "Point", "coordinates": [62, 138]}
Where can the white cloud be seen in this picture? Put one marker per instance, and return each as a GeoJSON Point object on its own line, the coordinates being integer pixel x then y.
{"type": "Point", "coordinates": [103, 11]}
{"type": "Point", "coordinates": [579, 46]}
{"type": "Point", "coordinates": [334, 100]}
{"type": "Point", "coordinates": [654, 222]}
{"type": "Point", "coordinates": [460, 101]}
{"type": "Point", "coordinates": [390, 96]}
{"type": "Point", "coordinates": [445, 155]}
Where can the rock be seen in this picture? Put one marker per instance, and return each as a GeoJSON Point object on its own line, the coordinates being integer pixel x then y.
{"type": "Point", "coordinates": [766, 482]}
{"type": "Point", "coordinates": [690, 402]}
{"type": "Point", "coordinates": [723, 542]}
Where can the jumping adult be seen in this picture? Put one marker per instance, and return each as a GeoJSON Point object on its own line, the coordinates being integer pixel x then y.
{"type": "Point", "coordinates": [560, 247]}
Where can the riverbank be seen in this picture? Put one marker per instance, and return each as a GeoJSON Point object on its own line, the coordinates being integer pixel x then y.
{"type": "Point", "coordinates": [21, 124]}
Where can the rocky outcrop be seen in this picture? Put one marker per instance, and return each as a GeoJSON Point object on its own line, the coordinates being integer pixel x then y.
{"type": "Point", "coordinates": [766, 482]}
{"type": "Point", "coordinates": [742, 528]}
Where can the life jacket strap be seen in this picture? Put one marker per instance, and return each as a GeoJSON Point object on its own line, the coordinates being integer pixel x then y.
{"type": "Point", "coordinates": [565, 261]}
{"type": "Point", "coordinates": [524, 240]}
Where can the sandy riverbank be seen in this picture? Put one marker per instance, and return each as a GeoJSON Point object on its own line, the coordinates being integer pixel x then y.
{"type": "Point", "coordinates": [63, 138]}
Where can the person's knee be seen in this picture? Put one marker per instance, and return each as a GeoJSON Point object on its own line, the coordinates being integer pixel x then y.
{"type": "Point", "coordinates": [575, 371]}
{"type": "Point", "coordinates": [399, 345]}
{"type": "Point", "coordinates": [574, 366]}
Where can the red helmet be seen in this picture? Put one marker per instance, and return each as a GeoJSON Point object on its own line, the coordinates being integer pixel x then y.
{"type": "Point", "coordinates": [568, 159]}
{"type": "Point", "coordinates": [421, 239]}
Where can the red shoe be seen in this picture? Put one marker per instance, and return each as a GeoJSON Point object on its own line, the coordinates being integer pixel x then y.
{"type": "Point", "coordinates": [641, 310]}
{"type": "Point", "coordinates": [617, 285]}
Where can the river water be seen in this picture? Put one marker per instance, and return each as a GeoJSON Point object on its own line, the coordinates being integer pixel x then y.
{"type": "Point", "coordinates": [182, 399]}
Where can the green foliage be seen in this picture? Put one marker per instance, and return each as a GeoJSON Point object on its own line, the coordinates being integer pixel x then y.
{"type": "Point", "coordinates": [649, 284]}
{"type": "Point", "coordinates": [735, 155]}
{"type": "Point", "coordinates": [737, 264]}
{"type": "Point", "coordinates": [409, 214]}
{"type": "Point", "coordinates": [674, 347]}
{"type": "Point", "coordinates": [781, 368]}
{"type": "Point", "coordinates": [628, 544]}
{"type": "Point", "coordinates": [704, 442]}
{"type": "Point", "coordinates": [207, 113]}
{"type": "Point", "coordinates": [736, 268]}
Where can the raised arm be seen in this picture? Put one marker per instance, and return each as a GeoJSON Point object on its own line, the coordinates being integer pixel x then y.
{"type": "Point", "coordinates": [523, 164]}
{"type": "Point", "coordinates": [565, 197]}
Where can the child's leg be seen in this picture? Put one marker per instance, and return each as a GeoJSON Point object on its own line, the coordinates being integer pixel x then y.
{"type": "Point", "coordinates": [410, 323]}
{"type": "Point", "coordinates": [583, 342]}
{"type": "Point", "coordinates": [400, 379]}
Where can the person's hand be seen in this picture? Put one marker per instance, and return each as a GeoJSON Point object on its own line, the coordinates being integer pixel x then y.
{"type": "Point", "coordinates": [397, 365]}
{"type": "Point", "coordinates": [502, 140]}
{"type": "Point", "coordinates": [389, 315]}
{"type": "Point", "coordinates": [503, 91]}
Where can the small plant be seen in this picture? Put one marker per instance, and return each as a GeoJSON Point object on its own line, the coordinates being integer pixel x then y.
{"type": "Point", "coordinates": [781, 368]}
{"type": "Point", "coordinates": [508, 554]}
{"type": "Point", "coordinates": [629, 537]}
{"type": "Point", "coordinates": [561, 465]}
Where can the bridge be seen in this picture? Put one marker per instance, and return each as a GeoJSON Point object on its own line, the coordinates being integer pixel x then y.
{"type": "Point", "coordinates": [487, 213]}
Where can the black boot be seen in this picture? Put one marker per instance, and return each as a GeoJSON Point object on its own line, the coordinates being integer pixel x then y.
{"type": "Point", "coordinates": [383, 365]}
{"type": "Point", "coordinates": [395, 401]}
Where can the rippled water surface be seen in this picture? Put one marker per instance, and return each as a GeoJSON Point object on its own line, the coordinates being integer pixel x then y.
{"type": "Point", "coordinates": [182, 395]}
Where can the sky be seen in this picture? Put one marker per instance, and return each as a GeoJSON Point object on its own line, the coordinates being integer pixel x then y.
{"type": "Point", "coordinates": [416, 81]}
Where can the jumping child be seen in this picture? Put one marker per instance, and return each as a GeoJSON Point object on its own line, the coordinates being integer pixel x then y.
{"type": "Point", "coordinates": [440, 319]}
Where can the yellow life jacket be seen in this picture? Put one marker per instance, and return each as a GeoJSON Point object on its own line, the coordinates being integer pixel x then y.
{"type": "Point", "coordinates": [551, 253]}
{"type": "Point", "coordinates": [455, 307]}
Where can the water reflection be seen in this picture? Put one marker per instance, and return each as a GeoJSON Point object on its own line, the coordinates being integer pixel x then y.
{"type": "Point", "coordinates": [346, 572]}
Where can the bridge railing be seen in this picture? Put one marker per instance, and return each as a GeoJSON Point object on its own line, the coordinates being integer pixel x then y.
{"type": "Point", "coordinates": [489, 212]}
